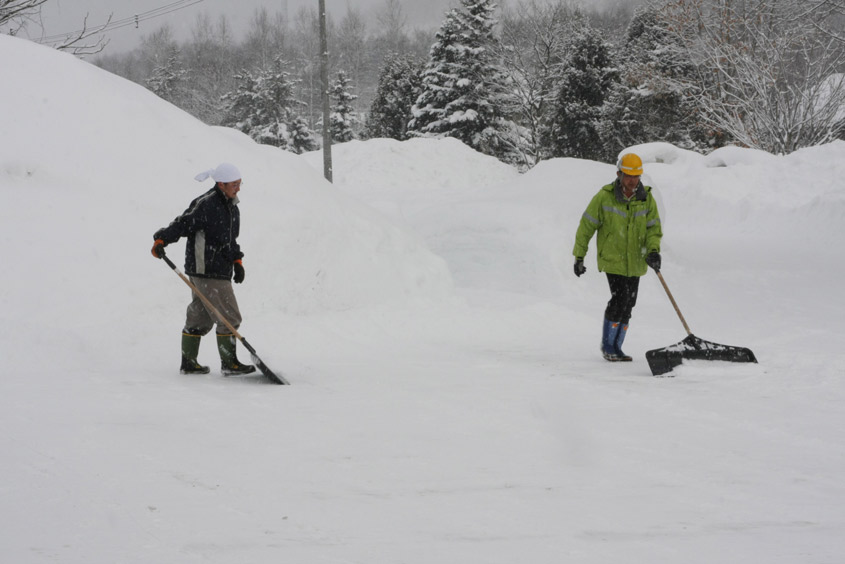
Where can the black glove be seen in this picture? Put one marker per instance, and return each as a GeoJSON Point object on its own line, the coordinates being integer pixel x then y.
{"type": "Point", "coordinates": [158, 249]}
{"type": "Point", "coordinates": [239, 272]}
{"type": "Point", "coordinates": [579, 267]}
{"type": "Point", "coordinates": [653, 260]}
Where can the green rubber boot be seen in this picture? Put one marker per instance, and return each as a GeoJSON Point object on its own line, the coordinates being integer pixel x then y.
{"type": "Point", "coordinates": [190, 350]}
{"type": "Point", "coordinates": [229, 363]}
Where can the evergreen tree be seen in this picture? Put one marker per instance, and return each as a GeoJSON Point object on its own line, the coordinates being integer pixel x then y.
{"type": "Point", "coordinates": [461, 84]}
{"type": "Point", "coordinates": [588, 76]}
{"type": "Point", "coordinates": [263, 106]}
{"type": "Point", "coordinates": [343, 117]}
{"type": "Point", "coordinates": [241, 103]}
{"type": "Point", "coordinates": [166, 80]}
{"type": "Point", "coordinates": [534, 43]}
{"type": "Point", "coordinates": [647, 104]}
{"type": "Point", "coordinates": [398, 88]}
{"type": "Point", "coordinates": [302, 138]}
{"type": "Point", "coordinates": [277, 109]}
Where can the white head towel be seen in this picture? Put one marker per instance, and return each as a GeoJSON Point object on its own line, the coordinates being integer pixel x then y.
{"type": "Point", "coordinates": [224, 172]}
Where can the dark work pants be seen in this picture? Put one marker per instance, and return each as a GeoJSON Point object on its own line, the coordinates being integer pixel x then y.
{"type": "Point", "coordinates": [623, 297]}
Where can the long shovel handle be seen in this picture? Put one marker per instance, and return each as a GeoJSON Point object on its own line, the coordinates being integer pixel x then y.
{"type": "Point", "coordinates": [205, 300]}
{"type": "Point", "coordinates": [277, 378]}
{"type": "Point", "coordinates": [675, 305]}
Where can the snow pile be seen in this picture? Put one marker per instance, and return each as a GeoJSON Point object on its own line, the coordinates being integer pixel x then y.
{"type": "Point", "coordinates": [129, 159]}
{"type": "Point", "coordinates": [423, 171]}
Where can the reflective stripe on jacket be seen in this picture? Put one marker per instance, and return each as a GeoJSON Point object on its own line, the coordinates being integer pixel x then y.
{"type": "Point", "coordinates": [627, 230]}
{"type": "Point", "coordinates": [212, 224]}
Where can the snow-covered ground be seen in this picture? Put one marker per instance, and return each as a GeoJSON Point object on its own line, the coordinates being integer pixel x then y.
{"type": "Point", "coordinates": [448, 402]}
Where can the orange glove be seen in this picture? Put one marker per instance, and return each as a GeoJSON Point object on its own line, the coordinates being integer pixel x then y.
{"type": "Point", "coordinates": [158, 249]}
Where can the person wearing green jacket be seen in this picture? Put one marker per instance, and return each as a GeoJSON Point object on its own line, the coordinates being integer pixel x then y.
{"type": "Point", "coordinates": [625, 216]}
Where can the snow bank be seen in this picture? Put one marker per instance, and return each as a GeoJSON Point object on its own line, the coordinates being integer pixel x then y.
{"type": "Point", "coordinates": [130, 158]}
{"type": "Point", "coordinates": [422, 172]}
{"type": "Point", "coordinates": [481, 216]}
{"type": "Point", "coordinates": [663, 153]}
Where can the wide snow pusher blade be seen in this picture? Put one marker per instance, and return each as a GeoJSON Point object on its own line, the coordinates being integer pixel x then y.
{"type": "Point", "coordinates": [661, 361]}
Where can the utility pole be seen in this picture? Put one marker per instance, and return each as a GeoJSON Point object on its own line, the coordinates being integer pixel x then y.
{"type": "Point", "coordinates": [324, 75]}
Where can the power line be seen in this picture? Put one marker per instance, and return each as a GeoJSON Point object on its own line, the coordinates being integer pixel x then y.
{"type": "Point", "coordinates": [128, 21]}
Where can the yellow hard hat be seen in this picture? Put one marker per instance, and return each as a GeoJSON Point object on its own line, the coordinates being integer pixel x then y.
{"type": "Point", "coordinates": [630, 164]}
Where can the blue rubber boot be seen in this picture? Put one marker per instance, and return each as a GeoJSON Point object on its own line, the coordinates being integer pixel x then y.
{"type": "Point", "coordinates": [609, 334]}
{"type": "Point", "coordinates": [620, 338]}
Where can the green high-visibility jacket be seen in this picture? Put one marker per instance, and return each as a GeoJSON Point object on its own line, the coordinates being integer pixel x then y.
{"type": "Point", "coordinates": [627, 230]}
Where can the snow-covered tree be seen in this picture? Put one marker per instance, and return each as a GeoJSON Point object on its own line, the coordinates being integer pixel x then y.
{"type": "Point", "coordinates": [647, 104]}
{"type": "Point", "coordinates": [462, 84]}
{"type": "Point", "coordinates": [351, 46]}
{"type": "Point", "coordinates": [242, 103]}
{"type": "Point", "coordinates": [343, 117]}
{"type": "Point", "coordinates": [398, 88]}
{"type": "Point", "coordinates": [764, 69]}
{"type": "Point", "coordinates": [302, 137]}
{"type": "Point", "coordinates": [157, 49]}
{"type": "Point", "coordinates": [589, 74]}
{"type": "Point", "coordinates": [166, 80]}
{"type": "Point", "coordinates": [534, 43]}
{"type": "Point", "coordinates": [263, 106]}
{"type": "Point", "coordinates": [830, 15]}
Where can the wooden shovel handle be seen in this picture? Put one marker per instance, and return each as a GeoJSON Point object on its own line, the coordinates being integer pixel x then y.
{"type": "Point", "coordinates": [675, 305]}
{"type": "Point", "coordinates": [205, 300]}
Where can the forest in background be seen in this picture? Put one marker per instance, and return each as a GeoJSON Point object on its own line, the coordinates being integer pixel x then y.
{"type": "Point", "coordinates": [522, 80]}
{"type": "Point", "coordinates": [194, 74]}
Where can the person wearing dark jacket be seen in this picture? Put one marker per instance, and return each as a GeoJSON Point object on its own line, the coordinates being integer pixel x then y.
{"type": "Point", "coordinates": [625, 216]}
{"type": "Point", "coordinates": [213, 257]}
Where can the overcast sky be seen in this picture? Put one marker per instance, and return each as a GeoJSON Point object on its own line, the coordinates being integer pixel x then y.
{"type": "Point", "coordinates": [62, 16]}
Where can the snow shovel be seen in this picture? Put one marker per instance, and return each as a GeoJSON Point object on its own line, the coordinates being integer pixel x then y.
{"type": "Point", "coordinates": [277, 378]}
{"type": "Point", "coordinates": [661, 361]}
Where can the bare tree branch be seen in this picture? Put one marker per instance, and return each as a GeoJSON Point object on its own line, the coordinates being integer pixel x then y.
{"type": "Point", "coordinates": [84, 41]}
{"type": "Point", "coordinates": [832, 12]}
{"type": "Point", "coordinates": [768, 78]}
{"type": "Point", "coordinates": [533, 45]}
{"type": "Point", "coordinates": [17, 15]}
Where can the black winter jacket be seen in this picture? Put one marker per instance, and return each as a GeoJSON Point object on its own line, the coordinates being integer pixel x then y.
{"type": "Point", "coordinates": [211, 223]}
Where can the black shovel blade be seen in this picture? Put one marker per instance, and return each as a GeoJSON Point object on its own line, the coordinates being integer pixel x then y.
{"type": "Point", "coordinates": [661, 361]}
{"type": "Point", "coordinates": [272, 376]}
{"type": "Point", "coordinates": [275, 378]}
